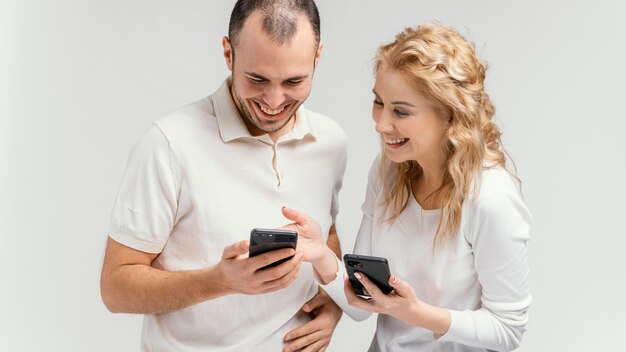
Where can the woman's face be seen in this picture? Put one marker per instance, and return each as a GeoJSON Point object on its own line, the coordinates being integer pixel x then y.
{"type": "Point", "coordinates": [410, 127]}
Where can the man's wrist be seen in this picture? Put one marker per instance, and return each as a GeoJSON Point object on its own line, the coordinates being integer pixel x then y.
{"type": "Point", "coordinates": [214, 282]}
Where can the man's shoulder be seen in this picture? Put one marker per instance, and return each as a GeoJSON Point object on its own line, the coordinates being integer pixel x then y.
{"type": "Point", "coordinates": [325, 126]}
{"type": "Point", "coordinates": [194, 116]}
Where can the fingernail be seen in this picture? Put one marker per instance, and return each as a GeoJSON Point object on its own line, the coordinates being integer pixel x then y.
{"type": "Point", "coordinates": [394, 279]}
{"type": "Point", "coordinates": [288, 337]}
{"type": "Point", "coordinates": [358, 276]}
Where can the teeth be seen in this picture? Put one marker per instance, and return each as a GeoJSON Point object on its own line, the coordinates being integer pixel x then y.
{"type": "Point", "coordinates": [271, 111]}
{"type": "Point", "coordinates": [395, 140]}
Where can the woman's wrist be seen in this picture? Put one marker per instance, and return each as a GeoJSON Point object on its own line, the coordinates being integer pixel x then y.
{"type": "Point", "coordinates": [433, 318]}
{"type": "Point", "coordinates": [326, 266]}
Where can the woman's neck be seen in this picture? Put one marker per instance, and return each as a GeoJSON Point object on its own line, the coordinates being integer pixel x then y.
{"type": "Point", "coordinates": [424, 187]}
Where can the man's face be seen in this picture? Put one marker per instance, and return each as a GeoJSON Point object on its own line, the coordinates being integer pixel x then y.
{"type": "Point", "coordinates": [270, 81]}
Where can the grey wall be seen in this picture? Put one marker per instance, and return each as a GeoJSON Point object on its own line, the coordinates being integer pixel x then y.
{"type": "Point", "coordinates": [81, 80]}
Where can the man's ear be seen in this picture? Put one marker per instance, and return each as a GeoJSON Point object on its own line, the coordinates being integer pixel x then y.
{"type": "Point", "coordinates": [318, 52]}
{"type": "Point", "coordinates": [228, 52]}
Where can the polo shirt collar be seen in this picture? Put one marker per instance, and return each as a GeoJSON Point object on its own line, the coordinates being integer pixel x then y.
{"type": "Point", "coordinates": [232, 127]}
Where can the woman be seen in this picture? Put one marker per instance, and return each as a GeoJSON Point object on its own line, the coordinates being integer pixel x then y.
{"type": "Point", "coordinates": [440, 206]}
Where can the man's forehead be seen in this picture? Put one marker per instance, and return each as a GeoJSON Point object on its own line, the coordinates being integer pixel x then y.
{"type": "Point", "coordinates": [254, 30]}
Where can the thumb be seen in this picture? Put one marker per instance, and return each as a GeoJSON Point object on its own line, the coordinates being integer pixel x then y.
{"type": "Point", "coordinates": [402, 288]}
{"type": "Point", "coordinates": [297, 217]}
{"type": "Point", "coordinates": [235, 249]}
{"type": "Point", "coordinates": [313, 304]}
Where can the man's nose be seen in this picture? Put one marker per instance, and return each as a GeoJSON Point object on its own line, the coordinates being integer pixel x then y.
{"type": "Point", "coordinates": [274, 97]}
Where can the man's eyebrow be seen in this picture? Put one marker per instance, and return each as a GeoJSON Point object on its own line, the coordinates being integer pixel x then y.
{"type": "Point", "coordinates": [258, 76]}
{"type": "Point", "coordinates": [297, 78]}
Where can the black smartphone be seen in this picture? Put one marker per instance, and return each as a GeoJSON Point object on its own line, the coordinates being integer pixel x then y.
{"type": "Point", "coordinates": [266, 240]}
{"type": "Point", "coordinates": [375, 268]}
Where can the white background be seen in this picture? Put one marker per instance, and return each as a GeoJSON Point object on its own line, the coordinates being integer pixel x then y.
{"type": "Point", "coordinates": [82, 80]}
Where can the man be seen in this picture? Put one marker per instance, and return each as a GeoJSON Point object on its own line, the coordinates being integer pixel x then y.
{"type": "Point", "coordinates": [203, 176]}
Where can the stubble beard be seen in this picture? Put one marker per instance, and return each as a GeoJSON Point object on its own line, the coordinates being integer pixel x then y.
{"type": "Point", "coordinates": [257, 122]}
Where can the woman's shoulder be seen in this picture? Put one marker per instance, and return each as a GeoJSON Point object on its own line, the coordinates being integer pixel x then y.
{"type": "Point", "coordinates": [496, 209]}
{"type": "Point", "coordinates": [497, 182]}
{"type": "Point", "coordinates": [496, 190]}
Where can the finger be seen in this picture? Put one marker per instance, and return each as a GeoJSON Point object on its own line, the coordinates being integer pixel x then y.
{"type": "Point", "coordinates": [315, 346]}
{"type": "Point", "coordinates": [305, 341]}
{"type": "Point", "coordinates": [235, 249]}
{"type": "Point", "coordinates": [281, 269]}
{"type": "Point", "coordinates": [290, 227]}
{"type": "Point", "coordinates": [274, 285]}
{"type": "Point", "coordinates": [303, 330]}
{"type": "Point", "coordinates": [371, 287]}
{"type": "Point", "coordinates": [315, 302]}
{"type": "Point", "coordinates": [400, 287]}
{"type": "Point", "coordinates": [283, 281]}
{"type": "Point", "coordinates": [297, 217]}
{"type": "Point", "coordinates": [268, 258]}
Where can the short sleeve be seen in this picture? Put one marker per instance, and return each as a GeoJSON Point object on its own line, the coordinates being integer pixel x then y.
{"type": "Point", "coordinates": [145, 208]}
{"type": "Point", "coordinates": [341, 169]}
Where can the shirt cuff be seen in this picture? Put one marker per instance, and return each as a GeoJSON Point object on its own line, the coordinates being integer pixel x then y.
{"type": "Point", "coordinates": [335, 290]}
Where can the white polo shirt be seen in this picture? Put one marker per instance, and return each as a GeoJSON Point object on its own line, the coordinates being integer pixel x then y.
{"type": "Point", "coordinates": [198, 181]}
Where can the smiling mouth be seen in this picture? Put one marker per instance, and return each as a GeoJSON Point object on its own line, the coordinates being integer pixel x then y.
{"type": "Point", "coordinates": [271, 112]}
{"type": "Point", "coordinates": [395, 141]}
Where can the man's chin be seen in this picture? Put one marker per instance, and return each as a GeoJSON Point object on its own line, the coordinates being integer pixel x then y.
{"type": "Point", "coordinates": [272, 126]}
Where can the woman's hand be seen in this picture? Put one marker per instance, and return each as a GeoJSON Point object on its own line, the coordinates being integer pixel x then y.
{"type": "Point", "coordinates": [401, 303]}
{"type": "Point", "coordinates": [310, 238]}
{"type": "Point", "coordinates": [311, 243]}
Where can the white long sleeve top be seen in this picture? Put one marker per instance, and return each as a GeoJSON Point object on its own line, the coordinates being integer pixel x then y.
{"type": "Point", "coordinates": [481, 275]}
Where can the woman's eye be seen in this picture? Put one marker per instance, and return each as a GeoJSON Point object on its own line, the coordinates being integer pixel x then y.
{"type": "Point", "coordinates": [400, 113]}
{"type": "Point", "coordinates": [378, 103]}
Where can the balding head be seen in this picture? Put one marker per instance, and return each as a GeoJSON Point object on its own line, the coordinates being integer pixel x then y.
{"type": "Point", "coordinates": [280, 18]}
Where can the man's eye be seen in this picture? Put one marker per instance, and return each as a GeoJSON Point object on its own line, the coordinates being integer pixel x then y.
{"type": "Point", "coordinates": [294, 83]}
{"type": "Point", "coordinates": [378, 103]}
{"type": "Point", "coordinates": [257, 80]}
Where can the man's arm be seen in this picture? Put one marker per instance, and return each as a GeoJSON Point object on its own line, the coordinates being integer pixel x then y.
{"type": "Point", "coordinates": [130, 284]}
{"type": "Point", "coordinates": [333, 241]}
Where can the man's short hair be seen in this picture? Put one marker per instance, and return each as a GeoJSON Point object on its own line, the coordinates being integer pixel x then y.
{"type": "Point", "coordinates": [279, 18]}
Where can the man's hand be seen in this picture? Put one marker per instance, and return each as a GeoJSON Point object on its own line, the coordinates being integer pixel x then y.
{"type": "Point", "coordinates": [240, 274]}
{"type": "Point", "coordinates": [315, 335]}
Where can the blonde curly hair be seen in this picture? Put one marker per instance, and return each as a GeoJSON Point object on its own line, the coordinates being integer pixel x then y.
{"type": "Point", "coordinates": [443, 67]}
